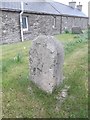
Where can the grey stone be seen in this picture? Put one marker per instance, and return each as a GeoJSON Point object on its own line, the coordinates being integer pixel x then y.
{"type": "Point", "coordinates": [46, 59]}
{"type": "Point", "coordinates": [37, 24]}
{"type": "Point", "coordinates": [76, 30]}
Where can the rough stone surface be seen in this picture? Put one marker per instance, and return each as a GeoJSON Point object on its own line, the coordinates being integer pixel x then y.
{"type": "Point", "coordinates": [10, 27]}
{"type": "Point", "coordinates": [69, 22]}
{"type": "Point", "coordinates": [37, 24]}
{"type": "Point", "coordinates": [76, 30]}
{"type": "Point", "coordinates": [46, 62]}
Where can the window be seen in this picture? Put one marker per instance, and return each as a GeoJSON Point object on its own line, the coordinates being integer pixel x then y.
{"type": "Point", "coordinates": [25, 23]}
{"type": "Point", "coordinates": [54, 23]}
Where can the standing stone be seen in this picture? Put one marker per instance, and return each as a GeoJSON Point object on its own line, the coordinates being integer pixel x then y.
{"type": "Point", "coordinates": [46, 58]}
{"type": "Point", "coordinates": [76, 30]}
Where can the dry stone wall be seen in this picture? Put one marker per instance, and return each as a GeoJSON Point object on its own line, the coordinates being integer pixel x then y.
{"type": "Point", "coordinates": [46, 63]}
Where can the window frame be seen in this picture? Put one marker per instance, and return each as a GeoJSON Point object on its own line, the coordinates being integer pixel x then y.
{"type": "Point", "coordinates": [26, 19]}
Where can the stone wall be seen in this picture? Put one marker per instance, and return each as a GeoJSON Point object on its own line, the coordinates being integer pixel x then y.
{"type": "Point", "coordinates": [10, 27]}
{"type": "Point", "coordinates": [0, 25]}
{"type": "Point", "coordinates": [41, 24]}
{"type": "Point", "coordinates": [89, 12]}
{"type": "Point", "coordinates": [37, 24]}
{"type": "Point", "coordinates": [69, 22]}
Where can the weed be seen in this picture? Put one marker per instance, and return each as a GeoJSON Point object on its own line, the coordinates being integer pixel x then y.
{"type": "Point", "coordinates": [66, 31]}
{"type": "Point", "coordinates": [76, 36]}
{"type": "Point", "coordinates": [18, 57]}
{"type": "Point", "coordinates": [4, 67]}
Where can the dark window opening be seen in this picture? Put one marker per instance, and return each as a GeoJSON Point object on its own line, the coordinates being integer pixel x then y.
{"type": "Point", "coordinates": [25, 23]}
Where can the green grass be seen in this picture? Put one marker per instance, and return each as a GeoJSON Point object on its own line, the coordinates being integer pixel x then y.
{"type": "Point", "coordinates": [22, 99]}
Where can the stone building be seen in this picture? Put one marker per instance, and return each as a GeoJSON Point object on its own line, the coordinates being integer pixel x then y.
{"type": "Point", "coordinates": [89, 12]}
{"type": "Point", "coordinates": [25, 20]}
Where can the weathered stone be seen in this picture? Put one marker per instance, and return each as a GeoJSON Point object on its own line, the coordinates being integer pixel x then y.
{"type": "Point", "coordinates": [76, 30]}
{"type": "Point", "coordinates": [46, 62]}
{"type": "Point", "coordinates": [37, 24]}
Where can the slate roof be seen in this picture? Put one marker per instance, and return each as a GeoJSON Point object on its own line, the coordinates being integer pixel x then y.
{"type": "Point", "coordinates": [54, 8]}
{"type": "Point", "coordinates": [40, 7]}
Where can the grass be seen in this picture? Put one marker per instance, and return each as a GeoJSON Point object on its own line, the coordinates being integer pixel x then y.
{"type": "Point", "coordinates": [0, 82]}
{"type": "Point", "coordinates": [22, 99]}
